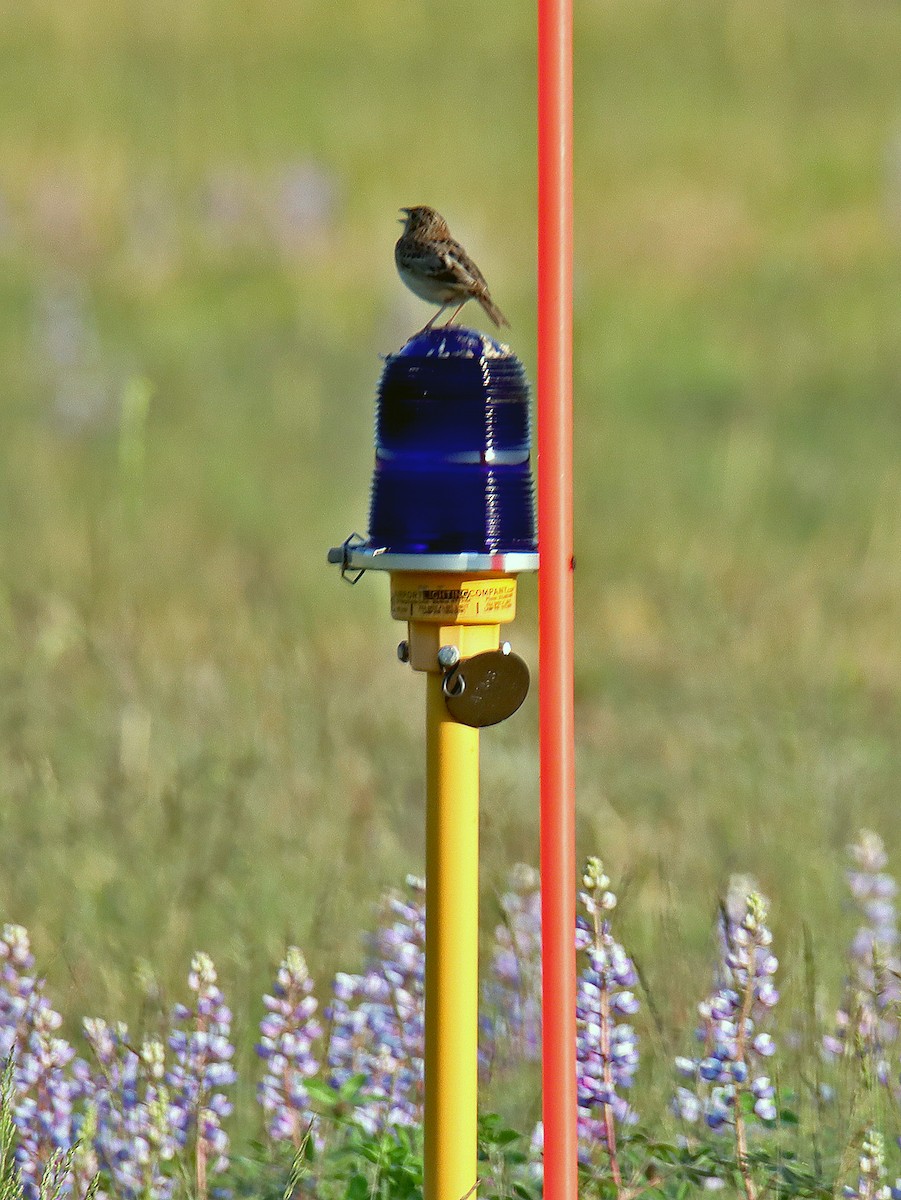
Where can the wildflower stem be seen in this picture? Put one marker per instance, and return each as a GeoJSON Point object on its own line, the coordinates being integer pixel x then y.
{"type": "Point", "coordinates": [741, 1142]}
{"type": "Point", "coordinates": [201, 1168]}
{"type": "Point", "coordinates": [609, 1123]}
{"type": "Point", "coordinates": [201, 1143]}
{"type": "Point", "coordinates": [607, 1060]}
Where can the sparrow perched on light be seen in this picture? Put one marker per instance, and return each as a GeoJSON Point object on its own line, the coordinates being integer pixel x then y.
{"type": "Point", "coordinates": [436, 267]}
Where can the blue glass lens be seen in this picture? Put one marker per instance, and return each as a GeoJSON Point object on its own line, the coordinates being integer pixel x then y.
{"type": "Point", "coordinates": [452, 470]}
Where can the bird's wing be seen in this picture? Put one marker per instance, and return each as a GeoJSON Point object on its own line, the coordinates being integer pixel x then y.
{"type": "Point", "coordinates": [457, 267]}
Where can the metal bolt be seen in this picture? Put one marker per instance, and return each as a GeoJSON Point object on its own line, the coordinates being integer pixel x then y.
{"type": "Point", "coordinates": [506, 647]}
{"type": "Point", "coordinates": [448, 656]}
{"type": "Point", "coordinates": [403, 651]}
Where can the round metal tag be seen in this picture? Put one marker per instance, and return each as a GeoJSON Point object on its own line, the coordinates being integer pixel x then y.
{"type": "Point", "coordinates": [487, 688]}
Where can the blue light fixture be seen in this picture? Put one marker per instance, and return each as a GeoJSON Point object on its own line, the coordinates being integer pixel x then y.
{"type": "Point", "coordinates": [452, 473]}
{"type": "Point", "coordinates": [452, 488]}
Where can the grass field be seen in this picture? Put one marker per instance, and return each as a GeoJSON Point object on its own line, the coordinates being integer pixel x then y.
{"type": "Point", "coordinates": [205, 738]}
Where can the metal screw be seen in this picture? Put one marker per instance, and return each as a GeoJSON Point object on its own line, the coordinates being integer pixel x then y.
{"type": "Point", "coordinates": [403, 651]}
{"type": "Point", "coordinates": [448, 656]}
{"type": "Point", "coordinates": [506, 647]}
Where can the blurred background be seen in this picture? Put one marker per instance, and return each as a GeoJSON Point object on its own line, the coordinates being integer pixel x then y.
{"type": "Point", "coordinates": [205, 738]}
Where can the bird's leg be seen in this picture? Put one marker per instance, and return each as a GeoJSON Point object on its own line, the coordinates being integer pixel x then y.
{"type": "Point", "coordinates": [454, 314]}
{"type": "Point", "coordinates": [431, 321]}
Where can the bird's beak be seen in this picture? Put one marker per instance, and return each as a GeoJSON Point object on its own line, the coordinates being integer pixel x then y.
{"type": "Point", "coordinates": [403, 220]}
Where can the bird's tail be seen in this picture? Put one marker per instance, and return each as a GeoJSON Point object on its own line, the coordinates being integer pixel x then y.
{"type": "Point", "coordinates": [492, 310]}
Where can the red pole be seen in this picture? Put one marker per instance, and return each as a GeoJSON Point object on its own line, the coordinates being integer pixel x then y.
{"type": "Point", "coordinates": [555, 598]}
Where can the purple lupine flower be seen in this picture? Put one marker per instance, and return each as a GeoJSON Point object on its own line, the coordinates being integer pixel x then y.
{"type": "Point", "coordinates": [867, 1022]}
{"type": "Point", "coordinates": [304, 205]}
{"type": "Point", "coordinates": [377, 1018]}
{"type": "Point", "coordinates": [134, 1135]}
{"type": "Point", "coordinates": [47, 1081]}
{"type": "Point", "coordinates": [607, 1045]}
{"type": "Point", "coordinates": [71, 352]}
{"type": "Point", "coordinates": [733, 1042]}
{"type": "Point", "coordinates": [200, 1042]}
{"type": "Point", "coordinates": [871, 1172]}
{"type": "Point", "coordinates": [512, 1023]}
{"type": "Point", "coordinates": [287, 1034]}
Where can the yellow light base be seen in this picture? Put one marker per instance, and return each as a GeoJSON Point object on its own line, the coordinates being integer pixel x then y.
{"type": "Point", "coordinates": [426, 640]}
{"type": "Point", "coordinates": [465, 611]}
{"type": "Point", "coordinates": [448, 599]}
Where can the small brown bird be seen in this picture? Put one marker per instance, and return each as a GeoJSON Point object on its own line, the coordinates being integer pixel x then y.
{"type": "Point", "coordinates": [436, 267]}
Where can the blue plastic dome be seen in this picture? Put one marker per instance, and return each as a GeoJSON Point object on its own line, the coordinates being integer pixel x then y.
{"type": "Point", "coordinates": [452, 470]}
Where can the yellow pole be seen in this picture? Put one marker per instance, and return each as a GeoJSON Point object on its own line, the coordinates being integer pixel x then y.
{"type": "Point", "coordinates": [452, 939]}
{"type": "Point", "coordinates": [462, 613]}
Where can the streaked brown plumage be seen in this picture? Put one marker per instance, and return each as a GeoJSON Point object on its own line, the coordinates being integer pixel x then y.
{"type": "Point", "coordinates": [436, 268]}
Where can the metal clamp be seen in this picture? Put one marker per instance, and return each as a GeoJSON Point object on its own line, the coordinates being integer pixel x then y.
{"type": "Point", "coordinates": [341, 554]}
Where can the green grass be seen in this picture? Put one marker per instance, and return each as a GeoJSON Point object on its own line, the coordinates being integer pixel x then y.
{"type": "Point", "coordinates": [205, 739]}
